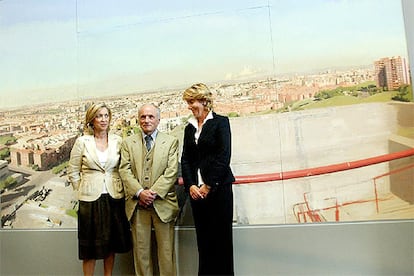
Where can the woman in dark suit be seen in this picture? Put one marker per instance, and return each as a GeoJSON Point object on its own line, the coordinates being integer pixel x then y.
{"type": "Point", "coordinates": [208, 179]}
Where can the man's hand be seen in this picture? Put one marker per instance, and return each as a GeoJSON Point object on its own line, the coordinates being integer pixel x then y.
{"type": "Point", "coordinates": [147, 197]}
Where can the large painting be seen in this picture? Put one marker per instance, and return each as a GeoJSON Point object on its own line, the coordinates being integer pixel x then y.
{"type": "Point", "coordinates": [318, 93]}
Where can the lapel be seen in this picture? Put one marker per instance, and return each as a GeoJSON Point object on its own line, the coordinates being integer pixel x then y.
{"type": "Point", "coordinates": [205, 132]}
{"type": "Point", "coordinates": [90, 147]}
{"type": "Point", "coordinates": [112, 151]}
{"type": "Point", "coordinates": [159, 151]}
{"type": "Point", "coordinates": [136, 153]}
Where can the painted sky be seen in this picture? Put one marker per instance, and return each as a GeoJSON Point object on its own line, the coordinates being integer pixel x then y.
{"type": "Point", "coordinates": [69, 49]}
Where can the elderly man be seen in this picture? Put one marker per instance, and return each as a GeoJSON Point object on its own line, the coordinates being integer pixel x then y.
{"type": "Point", "coordinates": [148, 168]}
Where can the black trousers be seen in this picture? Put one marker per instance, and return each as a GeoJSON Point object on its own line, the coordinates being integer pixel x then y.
{"type": "Point", "coordinates": [213, 219]}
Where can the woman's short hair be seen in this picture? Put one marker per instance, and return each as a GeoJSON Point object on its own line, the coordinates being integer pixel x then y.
{"type": "Point", "coordinates": [91, 112]}
{"type": "Point", "coordinates": [200, 92]}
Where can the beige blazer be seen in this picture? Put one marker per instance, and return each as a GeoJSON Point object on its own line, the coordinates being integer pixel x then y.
{"type": "Point", "coordinates": [86, 174]}
{"type": "Point", "coordinates": [164, 174]}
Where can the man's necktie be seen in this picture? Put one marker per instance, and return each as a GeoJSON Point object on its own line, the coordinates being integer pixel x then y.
{"type": "Point", "coordinates": [148, 140]}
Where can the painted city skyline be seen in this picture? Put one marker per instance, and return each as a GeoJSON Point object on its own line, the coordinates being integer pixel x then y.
{"type": "Point", "coordinates": [268, 64]}
{"type": "Point", "coordinates": [71, 50]}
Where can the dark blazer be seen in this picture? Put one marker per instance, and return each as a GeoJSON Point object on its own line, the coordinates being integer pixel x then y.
{"type": "Point", "coordinates": [211, 155]}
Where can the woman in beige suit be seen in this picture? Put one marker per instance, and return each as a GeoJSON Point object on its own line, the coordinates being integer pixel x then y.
{"type": "Point", "coordinates": [103, 228]}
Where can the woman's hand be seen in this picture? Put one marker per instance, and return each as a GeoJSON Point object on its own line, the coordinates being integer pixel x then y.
{"type": "Point", "coordinates": [197, 193]}
{"type": "Point", "coordinates": [204, 190]}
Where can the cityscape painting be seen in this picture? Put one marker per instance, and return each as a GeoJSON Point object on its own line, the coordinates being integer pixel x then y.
{"type": "Point", "coordinates": [318, 93]}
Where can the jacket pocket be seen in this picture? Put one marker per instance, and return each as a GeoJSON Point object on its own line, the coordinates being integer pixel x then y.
{"type": "Point", "coordinates": [117, 184]}
{"type": "Point", "coordinates": [85, 188]}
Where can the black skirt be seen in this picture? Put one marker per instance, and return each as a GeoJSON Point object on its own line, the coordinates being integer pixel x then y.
{"type": "Point", "coordinates": [103, 228]}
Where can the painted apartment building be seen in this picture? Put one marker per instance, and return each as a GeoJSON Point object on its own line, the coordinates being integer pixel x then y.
{"type": "Point", "coordinates": [42, 151]}
{"type": "Point", "coordinates": [391, 73]}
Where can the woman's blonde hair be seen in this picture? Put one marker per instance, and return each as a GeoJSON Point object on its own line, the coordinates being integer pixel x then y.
{"type": "Point", "coordinates": [200, 92]}
{"type": "Point", "coordinates": [93, 109]}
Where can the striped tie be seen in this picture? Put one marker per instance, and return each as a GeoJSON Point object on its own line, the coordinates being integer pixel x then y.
{"type": "Point", "coordinates": [148, 140]}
